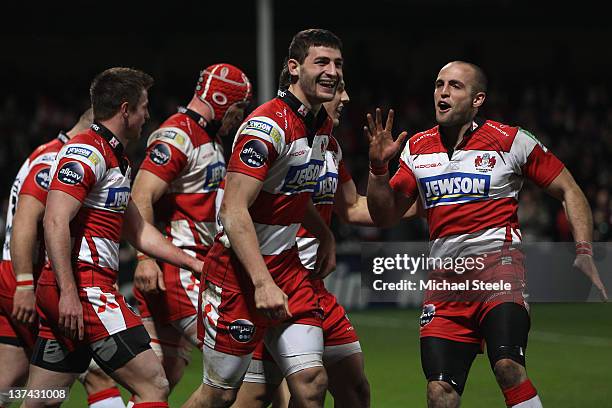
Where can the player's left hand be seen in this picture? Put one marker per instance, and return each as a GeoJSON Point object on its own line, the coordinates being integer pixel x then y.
{"type": "Point", "coordinates": [585, 264]}
{"type": "Point", "coordinates": [326, 257]}
{"type": "Point", "coordinates": [24, 309]}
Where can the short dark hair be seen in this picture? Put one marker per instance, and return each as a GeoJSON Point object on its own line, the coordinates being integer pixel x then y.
{"type": "Point", "coordinates": [301, 43]}
{"type": "Point", "coordinates": [480, 79]}
{"type": "Point", "coordinates": [114, 86]}
{"type": "Point", "coordinates": [284, 79]}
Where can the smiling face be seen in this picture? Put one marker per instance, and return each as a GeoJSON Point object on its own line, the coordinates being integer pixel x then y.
{"type": "Point", "coordinates": [335, 106]}
{"type": "Point", "coordinates": [319, 74]}
{"type": "Point", "coordinates": [456, 100]}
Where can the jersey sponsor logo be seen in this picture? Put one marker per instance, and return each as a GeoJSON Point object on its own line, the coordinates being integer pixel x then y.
{"type": "Point", "coordinates": [160, 154]}
{"type": "Point", "coordinates": [71, 173]}
{"type": "Point", "coordinates": [172, 135]}
{"type": "Point", "coordinates": [455, 188]}
{"type": "Point", "coordinates": [118, 198]}
{"type": "Point", "coordinates": [485, 163]}
{"type": "Point", "coordinates": [325, 190]}
{"type": "Point", "coordinates": [83, 152]}
{"type": "Point", "coordinates": [264, 127]}
{"type": "Point", "coordinates": [427, 315]}
{"type": "Point", "coordinates": [42, 178]}
{"type": "Point", "coordinates": [214, 175]}
{"type": "Point", "coordinates": [259, 125]}
{"type": "Point", "coordinates": [242, 330]}
{"type": "Point", "coordinates": [254, 153]}
{"type": "Point", "coordinates": [303, 178]}
{"type": "Point", "coordinates": [427, 165]}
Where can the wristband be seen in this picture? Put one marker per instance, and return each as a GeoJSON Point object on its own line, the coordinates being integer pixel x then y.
{"type": "Point", "coordinates": [25, 281]}
{"type": "Point", "coordinates": [584, 248]}
{"type": "Point", "coordinates": [142, 257]}
{"type": "Point", "coordinates": [379, 170]}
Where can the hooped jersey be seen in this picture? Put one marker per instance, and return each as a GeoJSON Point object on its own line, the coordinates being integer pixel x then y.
{"type": "Point", "coordinates": [334, 174]}
{"type": "Point", "coordinates": [93, 169]}
{"type": "Point", "coordinates": [32, 179]}
{"type": "Point", "coordinates": [191, 161]}
{"type": "Point", "coordinates": [471, 198]}
{"type": "Point", "coordinates": [283, 145]}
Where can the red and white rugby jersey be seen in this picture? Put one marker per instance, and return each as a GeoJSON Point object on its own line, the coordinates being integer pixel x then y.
{"type": "Point", "coordinates": [32, 179]}
{"type": "Point", "coordinates": [191, 161]}
{"type": "Point", "coordinates": [93, 168]}
{"type": "Point", "coordinates": [471, 198]}
{"type": "Point", "coordinates": [282, 144]}
{"type": "Point", "coordinates": [334, 173]}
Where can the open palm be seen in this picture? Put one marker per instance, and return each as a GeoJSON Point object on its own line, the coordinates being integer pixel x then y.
{"type": "Point", "coordinates": [382, 146]}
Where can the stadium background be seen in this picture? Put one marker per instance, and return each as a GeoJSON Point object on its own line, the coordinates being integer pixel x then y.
{"type": "Point", "coordinates": [548, 68]}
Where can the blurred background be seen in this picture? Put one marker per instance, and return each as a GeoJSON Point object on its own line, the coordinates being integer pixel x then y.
{"type": "Point", "coordinates": [548, 65]}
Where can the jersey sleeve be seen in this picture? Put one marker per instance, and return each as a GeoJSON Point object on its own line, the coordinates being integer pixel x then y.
{"type": "Point", "coordinates": [77, 169]}
{"type": "Point", "coordinates": [36, 182]}
{"type": "Point", "coordinates": [167, 154]}
{"type": "Point", "coordinates": [533, 160]}
{"type": "Point", "coordinates": [258, 143]}
{"type": "Point", "coordinates": [404, 181]}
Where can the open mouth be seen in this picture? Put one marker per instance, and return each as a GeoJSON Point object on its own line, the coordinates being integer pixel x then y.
{"type": "Point", "coordinates": [328, 83]}
{"type": "Point", "coordinates": [443, 106]}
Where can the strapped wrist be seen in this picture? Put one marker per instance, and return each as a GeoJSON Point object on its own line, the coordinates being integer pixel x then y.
{"type": "Point", "coordinates": [379, 170]}
{"type": "Point", "coordinates": [584, 248]}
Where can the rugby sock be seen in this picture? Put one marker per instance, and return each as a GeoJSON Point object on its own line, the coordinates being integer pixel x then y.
{"type": "Point", "coordinates": [109, 398]}
{"type": "Point", "coordinates": [130, 403]}
{"type": "Point", "coordinates": [523, 395]}
{"type": "Point", "coordinates": [151, 405]}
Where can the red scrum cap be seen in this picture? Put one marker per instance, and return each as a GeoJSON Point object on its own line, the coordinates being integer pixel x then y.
{"type": "Point", "coordinates": [220, 86]}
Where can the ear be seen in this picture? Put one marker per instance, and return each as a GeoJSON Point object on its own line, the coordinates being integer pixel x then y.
{"type": "Point", "coordinates": [294, 67]}
{"type": "Point", "coordinates": [479, 99]}
{"type": "Point", "coordinates": [124, 109]}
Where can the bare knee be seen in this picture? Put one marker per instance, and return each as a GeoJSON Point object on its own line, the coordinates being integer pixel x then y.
{"type": "Point", "coordinates": [308, 386]}
{"type": "Point", "coordinates": [441, 394]}
{"type": "Point", "coordinates": [96, 380]}
{"type": "Point", "coordinates": [509, 373]}
{"type": "Point", "coordinates": [214, 397]}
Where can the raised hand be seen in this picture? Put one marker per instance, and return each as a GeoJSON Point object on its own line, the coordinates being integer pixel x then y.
{"type": "Point", "coordinates": [382, 146]}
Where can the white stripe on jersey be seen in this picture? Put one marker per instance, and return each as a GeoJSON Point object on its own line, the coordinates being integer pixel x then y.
{"type": "Point", "coordinates": [109, 312]}
{"type": "Point", "coordinates": [477, 243]}
{"type": "Point", "coordinates": [85, 252]}
{"type": "Point", "coordinates": [174, 136]}
{"type": "Point", "coordinates": [108, 252]}
{"type": "Point", "coordinates": [84, 153]}
{"type": "Point", "coordinates": [264, 128]}
{"type": "Point", "coordinates": [308, 247]}
{"type": "Point", "coordinates": [211, 300]}
{"type": "Point", "coordinates": [274, 239]}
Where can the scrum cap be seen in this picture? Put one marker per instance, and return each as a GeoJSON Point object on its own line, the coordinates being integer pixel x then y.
{"type": "Point", "coordinates": [222, 85]}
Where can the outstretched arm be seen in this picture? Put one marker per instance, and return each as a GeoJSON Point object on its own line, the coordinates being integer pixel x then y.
{"type": "Point", "coordinates": [147, 239]}
{"type": "Point", "coordinates": [580, 218]}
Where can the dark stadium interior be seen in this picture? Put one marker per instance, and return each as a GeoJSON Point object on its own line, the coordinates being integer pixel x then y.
{"type": "Point", "coordinates": [548, 70]}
